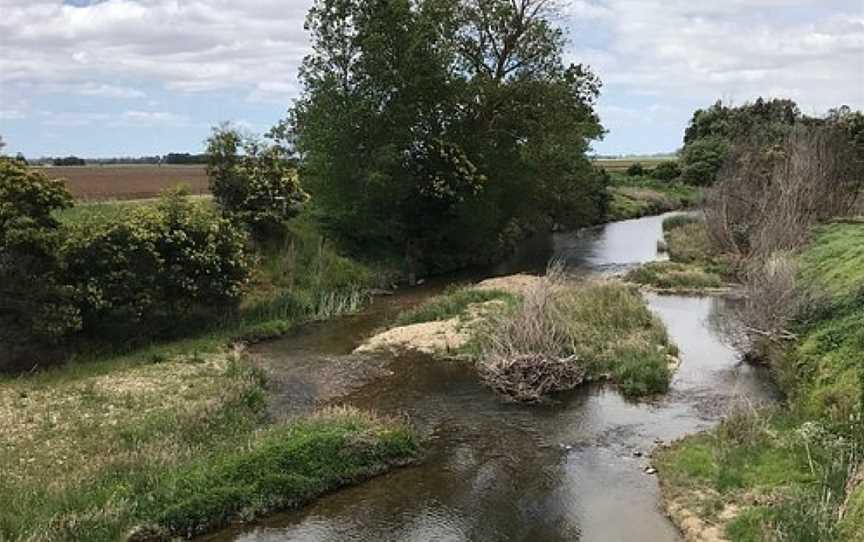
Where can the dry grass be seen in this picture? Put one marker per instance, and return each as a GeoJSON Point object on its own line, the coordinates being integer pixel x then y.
{"type": "Point", "coordinates": [61, 432]}
{"type": "Point", "coordinates": [128, 182]}
{"type": "Point", "coordinates": [564, 332]}
{"type": "Point", "coordinates": [170, 449]}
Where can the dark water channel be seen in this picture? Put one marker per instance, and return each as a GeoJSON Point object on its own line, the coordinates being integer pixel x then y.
{"type": "Point", "coordinates": [499, 471]}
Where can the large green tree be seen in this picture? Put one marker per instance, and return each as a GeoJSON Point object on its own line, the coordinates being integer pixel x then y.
{"type": "Point", "coordinates": [434, 127]}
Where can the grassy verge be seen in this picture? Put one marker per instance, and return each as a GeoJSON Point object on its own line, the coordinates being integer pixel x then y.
{"type": "Point", "coordinates": [634, 197]}
{"type": "Point", "coordinates": [692, 266]}
{"type": "Point", "coordinates": [794, 474]}
{"type": "Point", "coordinates": [674, 276]}
{"type": "Point", "coordinates": [171, 447]}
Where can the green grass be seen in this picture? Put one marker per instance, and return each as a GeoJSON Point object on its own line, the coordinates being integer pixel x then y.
{"type": "Point", "coordinates": [797, 462]}
{"type": "Point", "coordinates": [833, 262]}
{"type": "Point", "coordinates": [173, 437]}
{"type": "Point", "coordinates": [851, 526]}
{"type": "Point", "coordinates": [634, 197]}
{"type": "Point", "coordinates": [674, 276]}
{"type": "Point", "coordinates": [693, 265]}
{"type": "Point", "coordinates": [454, 302]}
{"type": "Point", "coordinates": [179, 446]}
{"type": "Point", "coordinates": [677, 221]}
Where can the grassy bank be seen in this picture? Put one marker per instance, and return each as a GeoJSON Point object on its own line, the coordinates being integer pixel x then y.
{"type": "Point", "coordinates": [692, 266]}
{"type": "Point", "coordinates": [172, 438]}
{"type": "Point", "coordinates": [794, 473]}
{"type": "Point", "coordinates": [634, 197]}
{"type": "Point", "coordinates": [171, 447]}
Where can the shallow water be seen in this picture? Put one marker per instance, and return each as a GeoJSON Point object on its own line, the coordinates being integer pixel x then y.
{"type": "Point", "coordinates": [500, 471]}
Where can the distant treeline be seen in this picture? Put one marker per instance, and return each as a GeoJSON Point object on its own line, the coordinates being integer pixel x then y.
{"type": "Point", "coordinates": [170, 158]}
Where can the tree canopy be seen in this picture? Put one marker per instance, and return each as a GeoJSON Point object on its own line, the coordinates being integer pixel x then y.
{"type": "Point", "coordinates": [714, 132]}
{"type": "Point", "coordinates": [438, 128]}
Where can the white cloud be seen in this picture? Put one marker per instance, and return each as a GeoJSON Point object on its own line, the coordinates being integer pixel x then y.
{"type": "Point", "coordinates": [670, 53]}
{"type": "Point", "coordinates": [128, 119]}
{"type": "Point", "coordinates": [109, 91]}
{"type": "Point", "coordinates": [736, 48]}
{"type": "Point", "coordinates": [148, 118]}
{"type": "Point", "coordinates": [189, 46]}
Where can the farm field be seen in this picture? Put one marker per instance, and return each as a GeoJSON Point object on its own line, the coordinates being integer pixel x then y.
{"type": "Point", "coordinates": [620, 165]}
{"type": "Point", "coordinates": [124, 182]}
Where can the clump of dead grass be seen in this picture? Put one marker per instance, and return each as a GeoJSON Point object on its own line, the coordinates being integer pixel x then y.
{"type": "Point", "coordinates": [564, 332]}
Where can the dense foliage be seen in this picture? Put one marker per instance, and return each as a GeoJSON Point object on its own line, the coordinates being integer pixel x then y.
{"type": "Point", "coordinates": [253, 182]}
{"type": "Point", "coordinates": [439, 130]}
{"type": "Point", "coordinates": [139, 272]}
{"type": "Point", "coordinates": [69, 161]}
{"type": "Point", "coordinates": [35, 304]}
{"type": "Point", "coordinates": [636, 169]}
{"type": "Point", "coordinates": [711, 132]}
{"type": "Point", "coordinates": [154, 266]}
{"type": "Point", "coordinates": [667, 171]}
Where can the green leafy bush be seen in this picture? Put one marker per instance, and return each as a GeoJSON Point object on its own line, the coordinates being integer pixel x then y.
{"type": "Point", "coordinates": [636, 169]}
{"type": "Point", "coordinates": [667, 171]}
{"type": "Point", "coordinates": [702, 160]}
{"type": "Point", "coordinates": [253, 182]}
{"type": "Point", "coordinates": [155, 265]}
{"type": "Point", "coordinates": [35, 306]}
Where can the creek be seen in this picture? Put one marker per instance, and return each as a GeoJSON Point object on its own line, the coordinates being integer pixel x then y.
{"type": "Point", "coordinates": [571, 469]}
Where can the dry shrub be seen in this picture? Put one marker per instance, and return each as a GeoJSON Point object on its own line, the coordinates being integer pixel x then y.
{"type": "Point", "coordinates": [772, 300]}
{"type": "Point", "coordinates": [565, 332]}
{"type": "Point", "coordinates": [523, 354]}
{"type": "Point", "coordinates": [767, 198]}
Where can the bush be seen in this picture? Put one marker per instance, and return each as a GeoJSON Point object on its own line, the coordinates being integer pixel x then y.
{"type": "Point", "coordinates": [35, 306]}
{"type": "Point", "coordinates": [676, 221]}
{"type": "Point", "coordinates": [257, 187]}
{"type": "Point", "coordinates": [667, 171]}
{"type": "Point", "coordinates": [702, 160]}
{"type": "Point", "coordinates": [155, 265]}
{"type": "Point", "coordinates": [635, 170]}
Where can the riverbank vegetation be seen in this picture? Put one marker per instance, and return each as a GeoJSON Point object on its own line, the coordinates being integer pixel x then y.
{"type": "Point", "coordinates": [169, 446]}
{"type": "Point", "coordinates": [693, 267]}
{"type": "Point", "coordinates": [530, 337]}
{"type": "Point", "coordinates": [637, 196]}
{"type": "Point", "coordinates": [793, 473]}
{"type": "Point", "coordinates": [416, 140]}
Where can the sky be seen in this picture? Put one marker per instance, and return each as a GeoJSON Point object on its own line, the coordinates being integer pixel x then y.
{"type": "Point", "coordinates": [99, 78]}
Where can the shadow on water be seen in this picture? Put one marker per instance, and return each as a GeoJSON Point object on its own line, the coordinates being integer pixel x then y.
{"type": "Point", "coordinates": [499, 471]}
